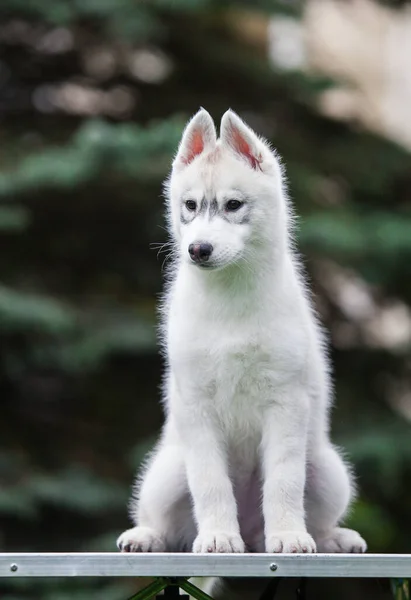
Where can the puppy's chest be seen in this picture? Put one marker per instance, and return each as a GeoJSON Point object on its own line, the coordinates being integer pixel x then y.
{"type": "Point", "coordinates": [234, 376]}
{"type": "Point", "coordinates": [243, 372]}
{"type": "Point", "coordinates": [233, 367]}
{"type": "Point", "coordinates": [237, 386]}
{"type": "Point", "coordinates": [243, 391]}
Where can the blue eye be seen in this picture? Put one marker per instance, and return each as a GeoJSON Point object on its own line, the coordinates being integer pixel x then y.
{"type": "Point", "coordinates": [191, 205]}
{"type": "Point", "coordinates": [233, 205]}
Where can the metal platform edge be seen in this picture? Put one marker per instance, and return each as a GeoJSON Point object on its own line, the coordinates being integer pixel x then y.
{"type": "Point", "coordinates": [114, 564]}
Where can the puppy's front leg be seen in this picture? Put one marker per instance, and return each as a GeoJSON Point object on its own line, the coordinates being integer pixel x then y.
{"type": "Point", "coordinates": [284, 463]}
{"type": "Point", "coordinates": [214, 503]}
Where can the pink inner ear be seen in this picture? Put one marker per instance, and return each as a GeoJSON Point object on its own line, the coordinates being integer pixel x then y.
{"type": "Point", "coordinates": [243, 147]}
{"type": "Point", "coordinates": [195, 146]}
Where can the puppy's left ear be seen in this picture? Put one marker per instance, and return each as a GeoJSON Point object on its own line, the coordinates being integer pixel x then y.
{"type": "Point", "coordinates": [199, 136]}
{"type": "Point", "coordinates": [242, 140]}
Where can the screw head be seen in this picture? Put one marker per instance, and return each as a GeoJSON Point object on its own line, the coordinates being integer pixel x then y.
{"type": "Point", "coordinates": [273, 567]}
{"type": "Point", "coordinates": [13, 567]}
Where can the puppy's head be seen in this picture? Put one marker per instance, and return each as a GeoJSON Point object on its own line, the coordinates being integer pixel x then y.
{"type": "Point", "coordinates": [224, 195]}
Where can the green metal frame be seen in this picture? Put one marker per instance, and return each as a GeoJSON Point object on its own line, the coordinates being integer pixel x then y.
{"type": "Point", "coordinates": [401, 588]}
{"type": "Point", "coordinates": [160, 583]}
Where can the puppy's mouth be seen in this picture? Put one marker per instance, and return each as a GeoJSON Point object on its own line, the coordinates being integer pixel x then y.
{"type": "Point", "coordinates": [207, 266]}
{"type": "Point", "coordinates": [216, 265]}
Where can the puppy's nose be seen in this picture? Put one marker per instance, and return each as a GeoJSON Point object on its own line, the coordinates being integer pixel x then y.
{"type": "Point", "coordinates": [200, 252]}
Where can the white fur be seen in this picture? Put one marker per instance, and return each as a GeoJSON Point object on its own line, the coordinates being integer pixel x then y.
{"type": "Point", "coordinates": [244, 461]}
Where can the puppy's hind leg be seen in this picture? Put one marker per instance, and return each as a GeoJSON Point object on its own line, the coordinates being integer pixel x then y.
{"type": "Point", "coordinates": [328, 493]}
{"type": "Point", "coordinates": [162, 509]}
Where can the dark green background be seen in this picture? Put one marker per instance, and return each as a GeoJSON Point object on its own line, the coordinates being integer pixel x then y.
{"type": "Point", "coordinates": [80, 204]}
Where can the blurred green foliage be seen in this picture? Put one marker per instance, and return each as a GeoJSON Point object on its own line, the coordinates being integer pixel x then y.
{"type": "Point", "coordinates": [88, 133]}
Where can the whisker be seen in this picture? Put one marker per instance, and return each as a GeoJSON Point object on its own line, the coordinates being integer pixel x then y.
{"type": "Point", "coordinates": [160, 244]}
{"type": "Point", "coordinates": [168, 257]}
{"type": "Point", "coordinates": [162, 247]}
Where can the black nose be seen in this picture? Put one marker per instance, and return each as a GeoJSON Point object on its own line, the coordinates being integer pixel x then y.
{"type": "Point", "coordinates": [200, 252]}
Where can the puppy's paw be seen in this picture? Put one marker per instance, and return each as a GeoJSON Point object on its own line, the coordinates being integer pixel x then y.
{"type": "Point", "coordinates": [342, 540]}
{"type": "Point", "coordinates": [218, 541]}
{"type": "Point", "coordinates": [141, 539]}
{"type": "Point", "coordinates": [290, 542]}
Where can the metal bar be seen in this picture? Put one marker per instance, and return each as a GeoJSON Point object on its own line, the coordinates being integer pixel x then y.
{"type": "Point", "coordinates": [117, 564]}
{"type": "Point", "coordinates": [171, 591]}
{"type": "Point", "coordinates": [151, 590]}
{"type": "Point", "coordinates": [194, 591]}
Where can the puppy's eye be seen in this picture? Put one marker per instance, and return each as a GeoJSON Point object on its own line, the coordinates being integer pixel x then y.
{"type": "Point", "coordinates": [191, 205]}
{"type": "Point", "coordinates": [233, 205]}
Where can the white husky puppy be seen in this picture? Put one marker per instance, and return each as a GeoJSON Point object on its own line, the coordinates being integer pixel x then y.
{"type": "Point", "coordinates": [244, 462]}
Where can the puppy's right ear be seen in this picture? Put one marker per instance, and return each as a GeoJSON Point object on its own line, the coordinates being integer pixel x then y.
{"type": "Point", "coordinates": [198, 137]}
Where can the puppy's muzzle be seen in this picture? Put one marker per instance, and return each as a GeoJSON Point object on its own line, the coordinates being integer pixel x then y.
{"type": "Point", "coordinates": [201, 252]}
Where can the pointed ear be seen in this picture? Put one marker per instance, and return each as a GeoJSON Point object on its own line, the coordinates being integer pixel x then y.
{"type": "Point", "coordinates": [199, 136]}
{"type": "Point", "coordinates": [242, 140]}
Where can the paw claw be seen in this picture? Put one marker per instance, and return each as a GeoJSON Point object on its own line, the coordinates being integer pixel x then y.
{"type": "Point", "coordinates": [290, 542]}
{"type": "Point", "coordinates": [140, 539]}
{"type": "Point", "coordinates": [221, 542]}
